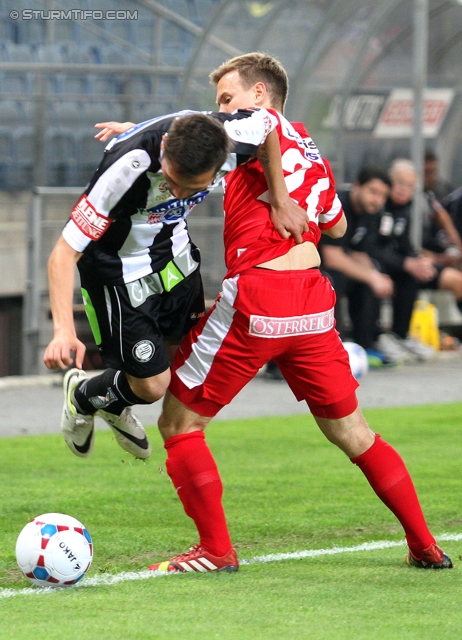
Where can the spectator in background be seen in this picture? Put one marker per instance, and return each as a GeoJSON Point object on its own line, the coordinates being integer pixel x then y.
{"type": "Point", "coordinates": [432, 182]}
{"type": "Point", "coordinates": [352, 271]}
{"type": "Point", "coordinates": [453, 205]}
{"type": "Point", "coordinates": [441, 240]}
{"type": "Point", "coordinates": [409, 269]}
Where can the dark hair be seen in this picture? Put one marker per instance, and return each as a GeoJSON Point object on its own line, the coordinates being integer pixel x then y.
{"type": "Point", "coordinates": [373, 172]}
{"type": "Point", "coordinates": [257, 67]}
{"type": "Point", "coordinates": [430, 156]}
{"type": "Point", "coordinates": [196, 144]}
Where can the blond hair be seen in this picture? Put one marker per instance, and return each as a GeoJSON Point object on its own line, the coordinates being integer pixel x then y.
{"type": "Point", "coordinates": [257, 67]}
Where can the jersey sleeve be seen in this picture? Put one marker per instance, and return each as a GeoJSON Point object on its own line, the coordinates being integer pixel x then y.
{"type": "Point", "coordinates": [333, 209]}
{"type": "Point", "coordinates": [248, 129]}
{"type": "Point", "coordinates": [90, 217]}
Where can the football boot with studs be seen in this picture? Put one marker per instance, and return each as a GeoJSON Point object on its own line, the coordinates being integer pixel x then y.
{"type": "Point", "coordinates": [77, 429]}
{"type": "Point", "coordinates": [432, 558]}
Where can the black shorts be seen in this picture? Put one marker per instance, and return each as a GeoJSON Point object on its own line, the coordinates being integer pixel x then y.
{"type": "Point", "coordinates": [131, 321]}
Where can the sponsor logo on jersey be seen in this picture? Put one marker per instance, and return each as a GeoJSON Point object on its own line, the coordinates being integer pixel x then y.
{"type": "Point", "coordinates": [386, 224]}
{"type": "Point", "coordinates": [174, 209]}
{"type": "Point", "coordinates": [270, 327]}
{"type": "Point", "coordinates": [89, 221]}
{"type": "Point", "coordinates": [155, 218]}
{"type": "Point", "coordinates": [143, 350]}
{"type": "Point", "coordinates": [307, 145]}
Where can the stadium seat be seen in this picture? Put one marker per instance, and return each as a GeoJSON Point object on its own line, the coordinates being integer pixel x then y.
{"type": "Point", "coordinates": [73, 83]}
{"type": "Point", "coordinates": [11, 113]}
{"type": "Point", "coordinates": [140, 86]}
{"type": "Point", "coordinates": [107, 84]}
{"type": "Point", "coordinates": [79, 53]}
{"type": "Point", "coordinates": [19, 52]}
{"type": "Point", "coordinates": [61, 157]}
{"type": "Point", "coordinates": [101, 111]}
{"type": "Point", "coordinates": [67, 113]}
{"type": "Point", "coordinates": [13, 82]}
{"type": "Point", "coordinates": [23, 154]}
{"type": "Point", "coordinates": [151, 109]}
{"type": "Point", "coordinates": [115, 55]}
{"type": "Point", "coordinates": [6, 157]}
{"type": "Point", "coordinates": [49, 53]}
{"type": "Point", "coordinates": [3, 52]}
{"type": "Point", "coordinates": [89, 153]}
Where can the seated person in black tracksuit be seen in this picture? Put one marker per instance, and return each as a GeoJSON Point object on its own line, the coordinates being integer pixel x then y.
{"type": "Point", "coordinates": [350, 267]}
{"type": "Point", "coordinates": [453, 204]}
{"type": "Point", "coordinates": [410, 270]}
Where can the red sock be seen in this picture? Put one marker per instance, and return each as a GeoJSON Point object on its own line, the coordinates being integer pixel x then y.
{"type": "Point", "coordinates": [195, 476]}
{"type": "Point", "coordinates": [387, 474]}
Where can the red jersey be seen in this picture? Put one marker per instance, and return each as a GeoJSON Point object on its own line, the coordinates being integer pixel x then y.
{"type": "Point", "coordinates": [249, 235]}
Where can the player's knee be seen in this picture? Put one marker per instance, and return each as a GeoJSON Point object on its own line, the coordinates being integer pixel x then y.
{"type": "Point", "coordinates": [176, 418]}
{"type": "Point", "coordinates": [151, 389]}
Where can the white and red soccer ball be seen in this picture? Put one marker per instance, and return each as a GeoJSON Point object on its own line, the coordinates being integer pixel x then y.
{"type": "Point", "coordinates": [54, 550]}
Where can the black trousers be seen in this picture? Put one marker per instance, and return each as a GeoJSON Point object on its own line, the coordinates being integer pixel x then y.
{"type": "Point", "coordinates": [363, 309]}
{"type": "Point", "coordinates": [406, 289]}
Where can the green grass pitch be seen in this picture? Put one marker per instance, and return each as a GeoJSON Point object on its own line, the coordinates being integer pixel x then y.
{"type": "Point", "coordinates": [286, 490]}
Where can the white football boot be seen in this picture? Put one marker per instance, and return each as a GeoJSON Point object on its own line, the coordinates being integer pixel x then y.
{"type": "Point", "coordinates": [78, 429]}
{"type": "Point", "coordinates": [128, 432]}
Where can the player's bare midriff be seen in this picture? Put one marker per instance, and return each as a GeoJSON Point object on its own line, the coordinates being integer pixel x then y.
{"type": "Point", "coordinates": [302, 256]}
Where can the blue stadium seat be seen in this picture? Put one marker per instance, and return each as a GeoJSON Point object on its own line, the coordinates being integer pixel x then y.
{"type": "Point", "coordinates": [89, 154]}
{"type": "Point", "coordinates": [61, 157]}
{"type": "Point", "coordinates": [23, 153]}
{"type": "Point", "coordinates": [49, 53]}
{"type": "Point", "coordinates": [3, 52]}
{"type": "Point", "coordinates": [67, 114]}
{"type": "Point", "coordinates": [115, 55]}
{"type": "Point", "coordinates": [81, 53]}
{"type": "Point", "coordinates": [140, 86]}
{"type": "Point", "coordinates": [6, 157]}
{"type": "Point", "coordinates": [12, 113]}
{"type": "Point", "coordinates": [13, 82]}
{"type": "Point", "coordinates": [19, 52]}
{"type": "Point", "coordinates": [107, 84]}
{"type": "Point", "coordinates": [102, 111]}
{"type": "Point", "coordinates": [74, 83]}
{"type": "Point", "coordinates": [148, 110]}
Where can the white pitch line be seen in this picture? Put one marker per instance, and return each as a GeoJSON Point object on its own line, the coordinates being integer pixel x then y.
{"type": "Point", "coordinates": [127, 576]}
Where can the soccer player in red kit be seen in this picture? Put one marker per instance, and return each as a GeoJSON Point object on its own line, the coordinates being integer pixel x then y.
{"type": "Point", "coordinates": [275, 304]}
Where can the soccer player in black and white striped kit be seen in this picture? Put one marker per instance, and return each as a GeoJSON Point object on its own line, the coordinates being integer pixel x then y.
{"type": "Point", "coordinates": [138, 267]}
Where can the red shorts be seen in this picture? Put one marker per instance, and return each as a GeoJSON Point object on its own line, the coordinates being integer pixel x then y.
{"type": "Point", "coordinates": [262, 315]}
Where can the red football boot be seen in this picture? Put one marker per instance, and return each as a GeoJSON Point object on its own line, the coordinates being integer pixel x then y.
{"type": "Point", "coordinates": [197, 559]}
{"type": "Point", "coordinates": [432, 558]}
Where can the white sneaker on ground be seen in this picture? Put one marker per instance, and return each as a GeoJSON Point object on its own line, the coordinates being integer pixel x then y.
{"type": "Point", "coordinates": [422, 351]}
{"type": "Point", "coordinates": [128, 432]}
{"type": "Point", "coordinates": [390, 345]}
{"type": "Point", "coordinates": [77, 429]}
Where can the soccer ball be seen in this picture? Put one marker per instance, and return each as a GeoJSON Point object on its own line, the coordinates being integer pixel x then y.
{"type": "Point", "coordinates": [54, 550]}
{"type": "Point", "coordinates": [358, 359]}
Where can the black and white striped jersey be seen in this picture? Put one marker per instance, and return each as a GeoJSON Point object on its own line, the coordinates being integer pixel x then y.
{"type": "Point", "coordinates": [127, 223]}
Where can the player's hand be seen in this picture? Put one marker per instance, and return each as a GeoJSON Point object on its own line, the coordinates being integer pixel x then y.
{"type": "Point", "coordinates": [112, 128]}
{"type": "Point", "coordinates": [421, 268]}
{"type": "Point", "coordinates": [289, 219]}
{"type": "Point", "coordinates": [58, 354]}
{"type": "Point", "coordinates": [381, 284]}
